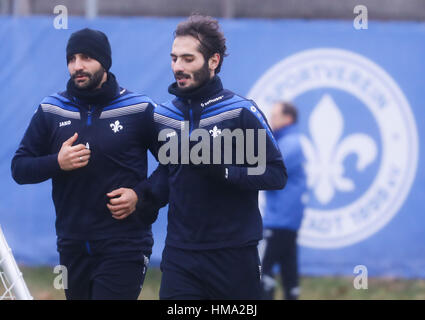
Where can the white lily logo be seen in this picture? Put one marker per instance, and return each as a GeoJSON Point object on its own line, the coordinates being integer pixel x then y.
{"type": "Point", "coordinates": [215, 132]}
{"type": "Point", "coordinates": [116, 126]}
{"type": "Point", "coordinates": [326, 152]}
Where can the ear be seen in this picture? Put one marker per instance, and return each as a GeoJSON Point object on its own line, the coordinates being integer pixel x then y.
{"type": "Point", "coordinates": [213, 61]}
{"type": "Point", "coordinates": [288, 120]}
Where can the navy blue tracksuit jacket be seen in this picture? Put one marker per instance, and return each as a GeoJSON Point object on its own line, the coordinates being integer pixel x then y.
{"type": "Point", "coordinates": [207, 212]}
{"type": "Point", "coordinates": [118, 136]}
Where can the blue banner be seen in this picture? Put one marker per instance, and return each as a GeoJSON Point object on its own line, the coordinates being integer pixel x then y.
{"type": "Point", "coordinates": [361, 102]}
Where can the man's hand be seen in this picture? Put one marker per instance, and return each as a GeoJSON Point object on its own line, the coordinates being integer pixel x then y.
{"type": "Point", "coordinates": [123, 202]}
{"type": "Point", "coordinates": [73, 157]}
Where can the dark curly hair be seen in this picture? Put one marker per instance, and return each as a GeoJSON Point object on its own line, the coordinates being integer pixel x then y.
{"type": "Point", "coordinates": [289, 109]}
{"type": "Point", "coordinates": [208, 33]}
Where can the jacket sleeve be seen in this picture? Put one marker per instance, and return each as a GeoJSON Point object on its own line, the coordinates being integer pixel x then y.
{"type": "Point", "coordinates": [153, 191]}
{"type": "Point", "coordinates": [32, 162]}
{"type": "Point", "coordinates": [271, 173]}
{"type": "Point", "coordinates": [150, 131]}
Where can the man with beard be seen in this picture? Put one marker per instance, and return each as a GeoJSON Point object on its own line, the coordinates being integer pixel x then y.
{"type": "Point", "coordinates": [214, 223]}
{"type": "Point", "coordinates": [92, 141]}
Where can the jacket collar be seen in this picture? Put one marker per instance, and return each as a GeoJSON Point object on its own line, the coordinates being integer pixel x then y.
{"type": "Point", "coordinates": [200, 94]}
{"type": "Point", "coordinates": [99, 97]}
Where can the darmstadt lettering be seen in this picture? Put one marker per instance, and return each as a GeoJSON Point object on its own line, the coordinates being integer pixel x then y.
{"type": "Point", "coordinates": [196, 148]}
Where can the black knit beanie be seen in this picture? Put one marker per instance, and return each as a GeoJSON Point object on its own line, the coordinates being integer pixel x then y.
{"type": "Point", "coordinates": [93, 43]}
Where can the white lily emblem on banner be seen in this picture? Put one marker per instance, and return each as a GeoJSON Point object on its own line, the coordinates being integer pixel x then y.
{"type": "Point", "coordinates": [326, 152]}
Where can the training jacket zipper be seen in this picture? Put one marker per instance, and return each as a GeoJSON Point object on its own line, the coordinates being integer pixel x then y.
{"type": "Point", "coordinates": [190, 116]}
{"type": "Point", "coordinates": [89, 114]}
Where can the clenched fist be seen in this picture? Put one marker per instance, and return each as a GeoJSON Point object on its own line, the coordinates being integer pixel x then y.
{"type": "Point", "coordinates": [123, 202]}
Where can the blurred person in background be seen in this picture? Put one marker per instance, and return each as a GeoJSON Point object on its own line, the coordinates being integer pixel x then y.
{"type": "Point", "coordinates": [92, 141]}
{"type": "Point", "coordinates": [284, 208]}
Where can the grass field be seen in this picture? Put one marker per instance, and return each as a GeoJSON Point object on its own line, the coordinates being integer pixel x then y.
{"type": "Point", "coordinates": [40, 282]}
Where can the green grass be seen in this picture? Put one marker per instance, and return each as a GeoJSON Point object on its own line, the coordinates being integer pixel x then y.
{"type": "Point", "coordinates": [40, 282]}
{"type": "Point", "coordinates": [342, 288]}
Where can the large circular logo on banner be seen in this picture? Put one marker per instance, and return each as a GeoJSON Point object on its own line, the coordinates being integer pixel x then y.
{"type": "Point", "coordinates": [359, 139]}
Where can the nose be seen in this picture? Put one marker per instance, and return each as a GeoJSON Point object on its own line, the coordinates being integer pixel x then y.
{"type": "Point", "coordinates": [78, 64]}
{"type": "Point", "coordinates": [177, 66]}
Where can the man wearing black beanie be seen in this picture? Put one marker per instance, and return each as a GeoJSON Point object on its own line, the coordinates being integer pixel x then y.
{"type": "Point", "coordinates": [92, 141]}
{"type": "Point", "coordinates": [88, 55]}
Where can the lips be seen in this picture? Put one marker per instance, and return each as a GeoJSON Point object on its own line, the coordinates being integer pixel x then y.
{"type": "Point", "coordinates": [181, 76]}
{"type": "Point", "coordinates": [182, 82]}
{"type": "Point", "coordinates": [182, 79]}
{"type": "Point", "coordinates": [80, 76]}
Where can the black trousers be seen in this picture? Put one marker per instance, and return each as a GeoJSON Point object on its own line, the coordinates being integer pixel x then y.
{"type": "Point", "coordinates": [280, 248]}
{"type": "Point", "coordinates": [228, 273]}
{"type": "Point", "coordinates": [111, 269]}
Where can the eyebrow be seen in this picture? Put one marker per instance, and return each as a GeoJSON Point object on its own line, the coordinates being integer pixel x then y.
{"type": "Point", "coordinates": [182, 55]}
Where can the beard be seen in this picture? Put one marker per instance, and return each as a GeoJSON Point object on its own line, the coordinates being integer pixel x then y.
{"type": "Point", "coordinates": [200, 77]}
{"type": "Point", "coordinates": [93, 79]}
